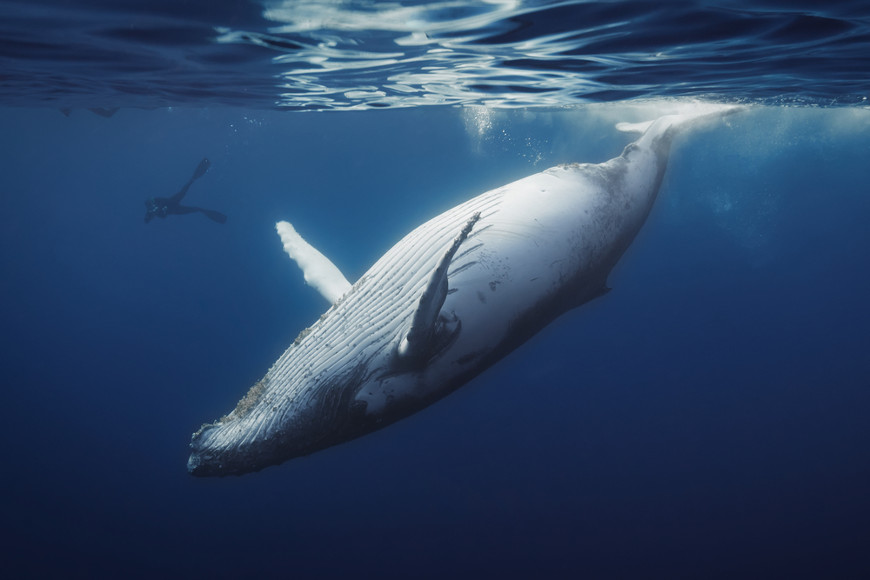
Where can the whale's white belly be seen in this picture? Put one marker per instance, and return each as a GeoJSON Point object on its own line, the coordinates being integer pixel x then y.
{"type": "Point", "coordinates": [533, 236]}
{"type": "Point", "coordinates": [445, 303]}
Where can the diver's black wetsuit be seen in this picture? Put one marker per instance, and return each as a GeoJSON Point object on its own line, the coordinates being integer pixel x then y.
{"type": "Point", "coordinates": [164, 206]}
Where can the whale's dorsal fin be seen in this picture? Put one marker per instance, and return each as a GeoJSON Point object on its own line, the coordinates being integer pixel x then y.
{"type": "Point", "coordinates": [318, 271]}
{"type": "Point", "coordinates": [422, 337]}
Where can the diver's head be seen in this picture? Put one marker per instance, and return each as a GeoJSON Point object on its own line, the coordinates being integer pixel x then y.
{"type": "Point", "coordinates": [150, 209]}
{"type": "Point", "coordinates": [153, 208]}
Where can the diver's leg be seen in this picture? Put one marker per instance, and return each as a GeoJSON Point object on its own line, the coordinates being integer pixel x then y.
{"type": "Point", "coordinates": [214, 215]}
{"type": "Point", "coordinates": [181, 193]}
{"type": "Point", "coordinates": [197, 173]}
{"type": "Point", "coordinates": [200, 169]}
{"type": "Point", "coordinates": [183, 209]}
{"type": "Point", "coordinates": [209, 213]}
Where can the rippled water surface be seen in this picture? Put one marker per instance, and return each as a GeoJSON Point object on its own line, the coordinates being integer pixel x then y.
{"type": "Point", "coordinates": [309, 54]}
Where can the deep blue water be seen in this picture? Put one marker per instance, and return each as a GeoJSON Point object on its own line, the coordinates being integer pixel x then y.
{"type": "Point", "coordinates": [706, 418]}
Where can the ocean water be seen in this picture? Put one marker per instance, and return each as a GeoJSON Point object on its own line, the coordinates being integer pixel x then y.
{"type": "Point", "coordinates": [707, 418]}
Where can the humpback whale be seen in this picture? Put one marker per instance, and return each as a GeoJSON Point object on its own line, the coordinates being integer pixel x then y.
{"type": "Point", "coordinates": [449, 300]}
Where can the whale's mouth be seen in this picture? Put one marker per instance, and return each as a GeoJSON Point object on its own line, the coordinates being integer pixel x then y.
{"type": "Point", "coordinates": [199, 466]}
{"type": "Point", "coordinates": [193, 464]}
{"type": "Point", "coordinates": [208, 459]}
{"type": "Point", "coordinates": [215, 453]}
{"type": "Point", "coordinates": [202, 460]}
{"type": "Point", "coordinates": [244, 441]}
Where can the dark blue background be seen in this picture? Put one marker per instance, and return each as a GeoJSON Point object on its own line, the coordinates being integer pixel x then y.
{"type": "Point", "coordinates": [707, 418]}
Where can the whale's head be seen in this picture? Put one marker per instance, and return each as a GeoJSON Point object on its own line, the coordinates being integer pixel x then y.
{"type": "Point", "coordinates": [266, 429]}
{"type": "Point", "coordinates": [360, 367]}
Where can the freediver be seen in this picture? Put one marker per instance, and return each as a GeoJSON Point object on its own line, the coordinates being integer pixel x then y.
{"type": "Point", "coordinates": [164, 206]}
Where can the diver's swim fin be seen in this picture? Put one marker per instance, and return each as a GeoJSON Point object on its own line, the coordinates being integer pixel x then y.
{"type": "Point", "coordinates": [214, 215]}
{"type": "Point", "coordinates": [201, 169]}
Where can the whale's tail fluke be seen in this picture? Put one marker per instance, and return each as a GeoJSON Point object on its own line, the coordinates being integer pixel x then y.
{"type": "Point", "coordinates": [685, 115]}
{"type": "Point", "coordinates": [658, 134]}
{"type": "Point", "coordinates": [638, 128]}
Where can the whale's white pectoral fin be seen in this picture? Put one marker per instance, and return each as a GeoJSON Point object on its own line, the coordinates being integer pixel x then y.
{"type": "Point", "coordinates": [422, 338]}
{"type": "Point", "coordinates": [318, 271]}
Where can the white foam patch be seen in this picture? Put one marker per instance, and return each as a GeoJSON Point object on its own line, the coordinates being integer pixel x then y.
{"type": "Point", "coordinates": [318, 271]}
